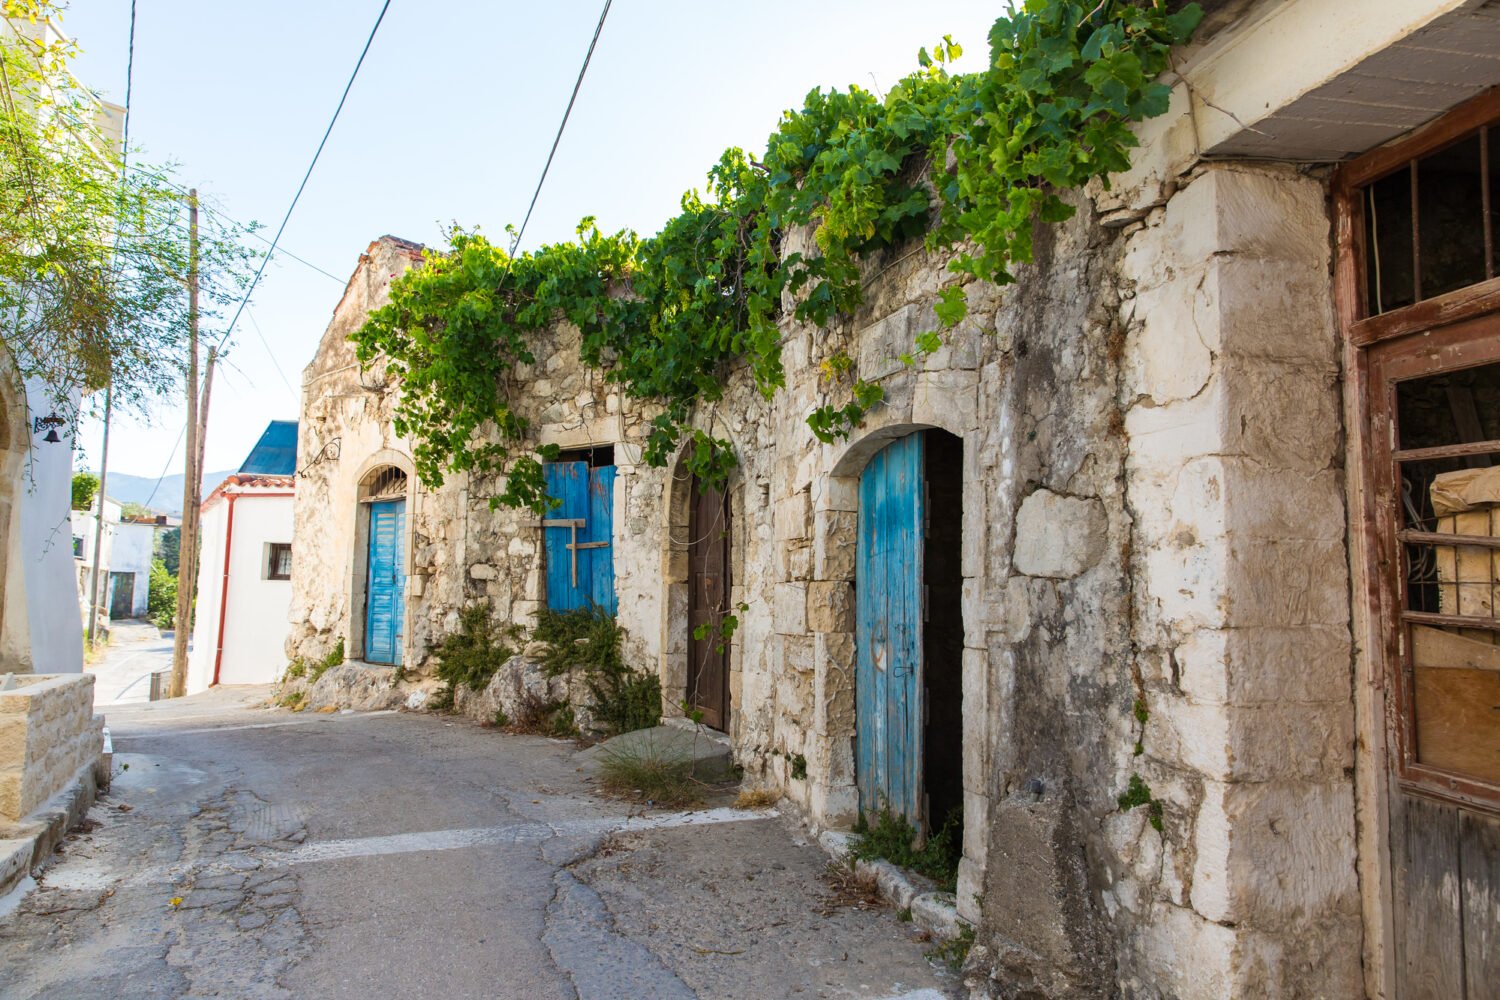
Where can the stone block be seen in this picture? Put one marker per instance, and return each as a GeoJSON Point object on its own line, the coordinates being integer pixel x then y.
{"type": "Point", "coordinates": [1185, 956]}
{"type": "Point", "coordinates": [1248, 666]}
{"type": "Point", "coordinates": [1058, 536]}
{"type": "Point", "coordinates": [483, 571]}
{"type": "Point", "coordinates": [789, 608]}
{"type": "Point", "coordinates": [1265, 742]}
{"type": "Point", "coordinates": [882, 343]}
{"type": "Point", "coordinates": [1169, 352]}
{"type": "Point", "coordinates": [1287, 582]}
{"type": "Point", "coordinates": [839, 493]}
{"type": "Point", "coordinates": [835, 544]}
{"type": "Point", "coordinates": [1256, 214]}
{"type": "Point", "coordinates": [833, 691]}
{"type": "Point", "coordinates": [1272, 852]}
{"type": "Point", "coordinates": [1271, 309]}
{"type": "Point", "coordinates": [793, 516]}
{"type": "Point", "coordinates": [946, 399]}
{"type": "Point", "coordinates": [830, 606]}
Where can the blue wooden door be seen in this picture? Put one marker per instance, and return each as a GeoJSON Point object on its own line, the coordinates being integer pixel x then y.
{"type": "Point", "coordinates": [888, 624]}
{"type": "Point", "coordinates": [385, 582]}
{"type": "Point", "coordinates": [579, 536]}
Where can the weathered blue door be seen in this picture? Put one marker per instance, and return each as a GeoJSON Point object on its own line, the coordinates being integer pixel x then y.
{"type": "Point", "coordinates": [580, 557]}
{"type": "Point", "coordinates": [888, 624]}
{"type": "Point", "coordinates": [385, 582]}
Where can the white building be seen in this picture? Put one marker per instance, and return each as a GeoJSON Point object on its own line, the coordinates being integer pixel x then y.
{"type": "Point", "coordinates": [126, 549]}
{"type": "Point", "coordinates": [244, 574]}
{"type": "Point", "coordinates": [39, 621]}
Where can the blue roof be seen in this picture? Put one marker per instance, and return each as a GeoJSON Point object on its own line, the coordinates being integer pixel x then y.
{"type": "Point", "coordinates": [275, 454]}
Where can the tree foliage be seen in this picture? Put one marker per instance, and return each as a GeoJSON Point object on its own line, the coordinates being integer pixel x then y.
{"type": "Point", "coordinates": [968, 162]}
{"type": "Point", "coordinates": [93, 257]}
{"type": "Point", "coordinates": [85, 488]}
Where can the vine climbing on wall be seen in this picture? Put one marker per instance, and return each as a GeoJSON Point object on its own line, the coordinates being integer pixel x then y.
{"type": "Point", "coordinates": [969, 163]}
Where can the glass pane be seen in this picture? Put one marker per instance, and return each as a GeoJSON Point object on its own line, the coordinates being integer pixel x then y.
{"type": "Point", "coordinates": [1450, 217]}
{"type": "Point", "coordinates": [1388, 274]}
{"type": "Point", "coordinates": [1456, 668]}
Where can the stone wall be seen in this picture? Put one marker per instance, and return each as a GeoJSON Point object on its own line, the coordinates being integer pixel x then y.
{"type": "Point", "coordinates": [1153, 562]}
{"type": "Point", "coordinates": [48, 734]}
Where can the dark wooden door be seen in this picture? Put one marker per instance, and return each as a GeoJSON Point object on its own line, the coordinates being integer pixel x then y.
{"type": "Point", "coordinates": [708, 603]}
{"type": "Point", "coordinates": [122, 595]}
{"type": "Point", "coordinates": [1434, 513]}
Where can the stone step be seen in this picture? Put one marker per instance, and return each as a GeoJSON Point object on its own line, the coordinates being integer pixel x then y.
{"type": "Point", "coordinates": [711, 759]}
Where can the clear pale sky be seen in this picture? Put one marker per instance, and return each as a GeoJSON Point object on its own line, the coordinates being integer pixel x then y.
{"type": "Point", "coordinates": [451, 119]}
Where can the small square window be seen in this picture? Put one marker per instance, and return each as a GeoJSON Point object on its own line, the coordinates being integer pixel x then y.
{"type": "Point", "coordinates": [279, 565]}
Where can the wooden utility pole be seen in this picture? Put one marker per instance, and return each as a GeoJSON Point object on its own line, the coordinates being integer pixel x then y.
{"type": "Point", "coordinates": [99, 516]}
{"type": "Point", "coordinates": [192, 486]}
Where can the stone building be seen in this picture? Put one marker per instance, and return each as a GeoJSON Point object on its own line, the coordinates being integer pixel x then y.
{"type": "Point", "coordinates": [1160, 599]}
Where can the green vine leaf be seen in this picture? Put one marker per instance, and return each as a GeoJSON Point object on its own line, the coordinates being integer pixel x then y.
{"type": "Point", "coordinates": [966, 162]}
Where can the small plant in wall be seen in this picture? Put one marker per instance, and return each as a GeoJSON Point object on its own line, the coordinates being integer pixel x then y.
{"type": "Point", "coordinates": [1138, 793]}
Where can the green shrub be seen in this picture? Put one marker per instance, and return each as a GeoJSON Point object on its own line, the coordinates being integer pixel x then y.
{"type": "Point", "coordinates": [295, 670]}
{"type": "Point", "coordinates": [334, 658]}
{"type": "Point", "coordinates": [471, 655]}
{"type": "Point", "coordinates": [892, 837]}
{"type": "Point", "coordinates": [161, 596]}
{"type": "Point", "coordinates": [85, 488]}
{"type": "Point", "coordinates": [589, 639]}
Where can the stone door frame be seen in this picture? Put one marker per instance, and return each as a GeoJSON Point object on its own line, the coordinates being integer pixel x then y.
{"type": "Point", "coordinates": [673, 667]}
{"type": "Point", "coordinates": [358, 561]}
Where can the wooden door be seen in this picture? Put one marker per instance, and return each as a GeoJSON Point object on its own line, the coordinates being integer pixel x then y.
{"type": "Point", "coordinates": [578, 537]}
{"type": "Point", "coordinates": [385, 582]}
{"type": "Point", "coordinates": [888, 630]}
{"type": "Point", "coordinates": [122, 595]}
{"type": "Point", "coordinates": [708, 603]}
{"type": "Point", "coordinates": [1434, 505]}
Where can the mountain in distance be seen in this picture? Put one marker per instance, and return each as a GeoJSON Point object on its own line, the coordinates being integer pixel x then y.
{"type": "Point", "coordinates": [168, 499]}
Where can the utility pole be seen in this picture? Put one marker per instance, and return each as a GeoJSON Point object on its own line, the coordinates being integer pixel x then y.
{"type": "Point", "coordinates": [187, 566]}
{"type": "Point", "coordinates": [99, 515]}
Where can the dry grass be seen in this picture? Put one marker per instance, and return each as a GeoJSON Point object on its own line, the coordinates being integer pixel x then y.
{"type": "Point", "coordinates": [757, 798]}
{"type": "Point", "coordinates": [656, 779]}
{"type": "Point", "coordinates": [848, 889]}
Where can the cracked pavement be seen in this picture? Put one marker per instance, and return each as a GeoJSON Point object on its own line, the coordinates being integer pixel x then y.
{"type": "Point", "coordinates": [257, 853]}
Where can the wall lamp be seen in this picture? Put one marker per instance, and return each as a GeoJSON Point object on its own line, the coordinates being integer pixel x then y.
{"type": "Point", "coordinates": [51, 422]}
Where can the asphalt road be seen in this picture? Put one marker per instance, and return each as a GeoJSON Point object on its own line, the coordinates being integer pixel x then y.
{"type": "Point", "coordinates": [249, 852]}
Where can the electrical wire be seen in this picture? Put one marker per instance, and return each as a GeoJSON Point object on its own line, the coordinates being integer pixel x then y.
{"type": "Point", "coordinates": [272, 354]}
{"type": "Point", "coordinates": [515, 243]}
{"type": "Point", "coordinates": [306, 176]}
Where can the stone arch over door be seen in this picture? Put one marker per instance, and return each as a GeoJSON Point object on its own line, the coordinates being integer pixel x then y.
{"type": "Point", "coordinates": [677, 550]}
{"type": "Point", "coordinates": [385, 476]}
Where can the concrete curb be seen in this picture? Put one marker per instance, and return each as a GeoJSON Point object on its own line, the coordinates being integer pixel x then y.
{"type": "Point", "coordinates": [27, 844]}
{"type": "Point", "coordinates": [935, 912]}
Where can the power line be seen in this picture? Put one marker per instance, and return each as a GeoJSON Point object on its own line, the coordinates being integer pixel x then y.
{"type": "Point", "coordinates": [170, 455]}
{"type": "Point", "coordinates": [300, 187]}
{"type": "Point", "coordinates": [562, 125]}
{"type": "Point", "coordinates": [272, 354]}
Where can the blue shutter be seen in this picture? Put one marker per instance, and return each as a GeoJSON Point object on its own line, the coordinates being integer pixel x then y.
{"type": "Point", "coordinates": [888, 629]}
{"type": "Point", "coordinates": [385, 582]}
{"type": "Point", "coordinates": [587, 496]}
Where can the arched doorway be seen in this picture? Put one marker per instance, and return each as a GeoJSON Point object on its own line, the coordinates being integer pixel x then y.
{"type": "Point", "coordinates": [382, 580]}
{"type": "Point", "coordinates": [909, 630]}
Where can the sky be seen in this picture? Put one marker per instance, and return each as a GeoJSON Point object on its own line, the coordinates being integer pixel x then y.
{"type": "Point", "coordinates": [450, 120]}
